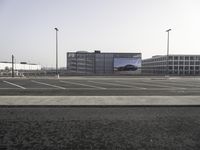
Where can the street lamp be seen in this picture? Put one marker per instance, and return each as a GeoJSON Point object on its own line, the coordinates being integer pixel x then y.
{"type": "Point", "coordinates": [13, 73]}
{"type": "Point", "coordinates": [168, 50]}
{"type": "Point", "coordinates": [56, 51]}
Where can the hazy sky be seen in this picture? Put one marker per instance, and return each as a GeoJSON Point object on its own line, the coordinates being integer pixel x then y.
{"type": "Point", "coordinates": [27, 27]}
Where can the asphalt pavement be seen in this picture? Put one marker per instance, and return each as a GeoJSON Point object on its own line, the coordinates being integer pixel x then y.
{"type": "Point", "coordinates": [78, 128]}
{"type": "Point", "coordinates": [101, 86]}
{"type": "Point", "coordinates": [100, 113]}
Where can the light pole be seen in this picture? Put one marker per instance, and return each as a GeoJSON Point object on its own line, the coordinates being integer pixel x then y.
{"type": "Point", "coordinates": [168, 50]}
{"type": "Point", "coordinates": [12, 65]}
{"type": "Point", "coordinates": [56, 51]}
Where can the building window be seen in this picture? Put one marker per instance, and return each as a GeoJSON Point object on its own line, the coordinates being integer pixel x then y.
{"type": "Point", "coordinates": [176, 63]}
{"type": "Point", "coordinates": [71, 55]}
{"type": "Point", "coordinates": [186, 72]}
{"type": "Point", "coordinates": [186, 63]}
{"type": "Point", "coordinates": [175, 57]}
{"type": "Point", "coordinates": [186, 68]}
{"type": "Point", "coordinates": [176, 67]}
{"type": "Point", "coordinates": [181, 63]}
{"type": "Point", "coordinates": [192, 58]}
{"type": "Point", "coordinates": [192, 63]}
{"type": "Point", "coordinates": [191, 72]}
{"type": "Point", "coordinates": [170, 58]}
{"type": "Point", "coordinates": [175, 71]}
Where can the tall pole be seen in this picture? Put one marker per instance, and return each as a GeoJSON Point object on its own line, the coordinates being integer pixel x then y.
{"type": "Point", "coordinates": [168, 50]}
{"type": "Point", "coordinates": [12, 66]}
{"type": "Point", "coordinates": [56, 51]}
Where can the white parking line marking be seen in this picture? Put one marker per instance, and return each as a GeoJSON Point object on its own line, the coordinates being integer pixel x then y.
{"type": "Point", "coordinates": [122, 85]}
{"type": "Point", "coordinates": [75, 83]}
{"type": "Point", "coordinates": [149, 84]}
{"type": "Point", "coordinates": [55, 86]}
{"type": "Point", "coordinates": [132, 84]}
{"type": "Point", "coordinates": [8, 88]}
{"type": "Point", "coordinates": [157, 85]}
{"type": "Point", "coordinates": [19, 86]}
{"type": "Point", "coordinates": [175, 84]}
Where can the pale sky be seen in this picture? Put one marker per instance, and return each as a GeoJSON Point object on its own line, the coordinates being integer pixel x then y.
{"type": "Point", "coordinates": [27, 28]}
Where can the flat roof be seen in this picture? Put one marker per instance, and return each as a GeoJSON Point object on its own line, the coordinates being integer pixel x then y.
{"type": "Point", "coordinates": [102, 53]}
{"type": "Point", "coordinates": [159, 56]}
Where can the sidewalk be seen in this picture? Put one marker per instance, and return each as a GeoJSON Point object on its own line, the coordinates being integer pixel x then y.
{"type": "Point", "coordinates": [100, 100]}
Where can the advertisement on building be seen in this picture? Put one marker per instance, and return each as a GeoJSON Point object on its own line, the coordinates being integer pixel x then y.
{"type": "Point", "coordinates": [127, 65]}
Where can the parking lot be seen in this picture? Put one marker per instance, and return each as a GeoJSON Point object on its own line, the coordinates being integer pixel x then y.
{"type": "Point", "coordinates": [100, 113]}
{"type": "Point", "coordinates": [101, 86]}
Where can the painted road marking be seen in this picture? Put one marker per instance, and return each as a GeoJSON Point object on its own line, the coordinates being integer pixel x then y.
{"type": "Point", "coordinates": [93, 89]}
{"type": "Point", "coordinates": [130, 85]}
{"type": "Point", "coordinates": [148, 84]}
{"type": "Point", "coordinates": [185, 83]}
{"type": "Point", "coordinates": [155, 84]}
{"type": "Point", "coordinates": [169, 85]}
{"type": "Point", "coordinates": [122, 85]}
{"type": "Point", "coordinates": [42, 83]}
{"type": "Point", "coordinates": [174, 85]}
{"type": "Point", "coordinates": [166, 85]}
{"type": "Point", "coordinates": [8, 88]}
{"type": "Point", "coordinates": [19, 86]}
{"type": "Point", "coordinates": [92, 86]}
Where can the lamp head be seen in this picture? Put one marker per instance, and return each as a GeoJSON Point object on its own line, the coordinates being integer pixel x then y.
{"type": "Point", "coordinates": [168, 30]}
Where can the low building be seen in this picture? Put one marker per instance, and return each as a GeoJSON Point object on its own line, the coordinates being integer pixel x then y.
{"type": "Point", "coordinates": [83, 62]}
{"type": "Point", "coordinates": [174, 65]}
{"type": "Point", "coordinates": [19, 66]}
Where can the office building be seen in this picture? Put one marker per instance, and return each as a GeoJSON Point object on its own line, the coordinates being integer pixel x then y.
{"type": "Point", "coordinates": [174, 65]}
{"type": "Point", "coordinates": [97, 63]}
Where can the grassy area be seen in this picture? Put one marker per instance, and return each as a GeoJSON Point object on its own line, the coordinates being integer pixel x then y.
{"type": "Point", "coordinates": [157, 133]}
